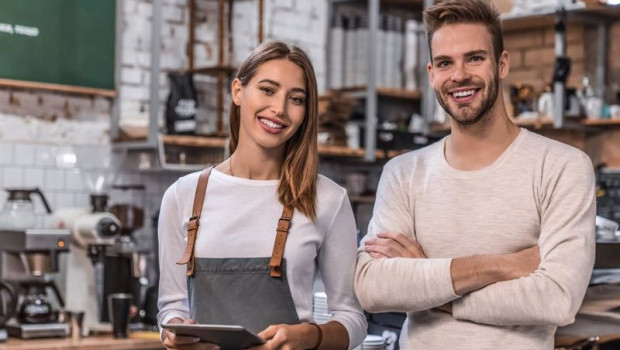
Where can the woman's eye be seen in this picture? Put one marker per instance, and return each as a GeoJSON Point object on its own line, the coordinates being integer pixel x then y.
{"type": "Point", "coordinates": [267, 90]}
{"type": "Point", "coordinates": [297, 100]}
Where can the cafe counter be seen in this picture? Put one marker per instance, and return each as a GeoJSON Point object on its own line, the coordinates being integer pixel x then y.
{"type": "Point", "coordinates": [136, 341]}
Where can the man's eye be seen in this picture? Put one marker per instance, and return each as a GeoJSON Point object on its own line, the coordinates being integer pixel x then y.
{"type": "Point", "coordinates": [477, 58]}
{"type": "Point", "coordinates": [443, 64]}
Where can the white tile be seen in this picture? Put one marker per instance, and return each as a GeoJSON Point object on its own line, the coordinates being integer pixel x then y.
{"type": "Point", "coordinates": [64, 200]}
{"type": "Point", "coordinates": [33, 177]}
{"type": "Point", "coordinates": [6, 153]}
{"type": "Point", "coordinates": [82, 200]}
{"type": "Point", "coordinates": [75, 180]}
{"type": "Point", "coordinates": [45, 156]}
{"type": "Point", "coordinates": [54, 179]}
{"type": "Point", "coordinates": [13, 177]}
{"type": "Point", "coordinates": [23, 154]}
{"type": "Point", "coordinates": [3, 197]}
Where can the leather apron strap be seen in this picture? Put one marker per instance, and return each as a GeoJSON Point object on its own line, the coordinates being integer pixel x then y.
{"type": "Point", "coordinates": [284, 223]}
{"type": "Point", "coordinates": [192, 226]}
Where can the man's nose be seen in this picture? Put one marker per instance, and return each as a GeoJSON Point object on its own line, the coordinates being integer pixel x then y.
{"type": "Point", "coordinates": [460, 73]}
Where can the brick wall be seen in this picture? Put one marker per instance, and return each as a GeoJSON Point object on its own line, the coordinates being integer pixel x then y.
{"type": "Point", "coordinates": [532, 56]}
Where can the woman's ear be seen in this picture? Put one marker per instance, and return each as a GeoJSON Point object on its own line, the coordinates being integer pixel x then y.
{"type": "Point", "coordinates": [236, 91]}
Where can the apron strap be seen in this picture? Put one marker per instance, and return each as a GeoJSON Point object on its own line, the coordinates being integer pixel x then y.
{"type": "Point", "coordinates": [284, 223]}
{"type": "Point", "coordinates": [192, 226]}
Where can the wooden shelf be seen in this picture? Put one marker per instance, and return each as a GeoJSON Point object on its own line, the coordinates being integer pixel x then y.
{"type": "Point", "coordinates": [601, 122]}
{"type": "Point", "coordinates": [346, 152]}
{"type": "Point", "coordinates": [220, 142]}
{"type": "Point", "coordinates": [360, 91]}
{"type": "Point", "coordinates": [195, 141]}
{"type": "Point", "coordinates": [593, 13]}
{"type": "Point", "coordinates": [213, 70]}
{"type": "Point", "coordinates": [535, 123]}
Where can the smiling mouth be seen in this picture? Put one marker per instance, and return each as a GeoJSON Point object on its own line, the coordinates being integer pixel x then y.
{"type": "Point", "coordinates": [463, 95]}
{"type": "Point", "coordinates": [270, 124]}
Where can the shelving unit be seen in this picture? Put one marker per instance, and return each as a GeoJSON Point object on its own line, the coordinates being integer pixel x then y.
{"type": "Point", "coordinates": [223, 68]}
{"type": "Point", "coordinates": [595, 14]}
{"type": "Point", "coordinates": [371, 92]}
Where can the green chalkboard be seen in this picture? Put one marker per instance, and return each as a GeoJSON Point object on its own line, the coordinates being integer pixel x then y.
{"type": "Point", "coordinates": [58, 43]}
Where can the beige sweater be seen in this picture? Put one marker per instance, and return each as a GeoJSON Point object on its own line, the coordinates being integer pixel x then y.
{"type": "Point", "coordinates": [538, 191]}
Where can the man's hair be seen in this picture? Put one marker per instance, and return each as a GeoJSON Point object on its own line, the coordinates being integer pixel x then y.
{"type": "Point", "coordinates": [465, 11]}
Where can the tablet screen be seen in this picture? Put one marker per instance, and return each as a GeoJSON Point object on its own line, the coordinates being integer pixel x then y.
{"type": "Point", "coordinates": [226, 336]}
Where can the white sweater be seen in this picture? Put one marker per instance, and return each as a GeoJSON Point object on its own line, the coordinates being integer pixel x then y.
{"type": "Point", "coordinates": [239, 219]}
{"type": "Point", "coordinates": [538, 191]}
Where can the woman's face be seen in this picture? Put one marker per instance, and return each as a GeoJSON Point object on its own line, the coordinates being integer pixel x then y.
{"type": "Point", "coordinates": [272, 105]}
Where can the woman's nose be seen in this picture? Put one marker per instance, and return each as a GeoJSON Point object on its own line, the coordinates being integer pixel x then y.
{"type": "Point", "coordinates": [278, 106]}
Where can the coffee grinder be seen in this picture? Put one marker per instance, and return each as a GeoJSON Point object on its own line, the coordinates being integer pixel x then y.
{"type": "Point", "coordinates": [28, 258]}
{"type": "Point", "coordinates": [125, 261]}
{"type": "Point", "coordinates": [93, 232]}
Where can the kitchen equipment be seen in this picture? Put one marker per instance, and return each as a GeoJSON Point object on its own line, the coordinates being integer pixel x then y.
{"type": "Point", "coordinates": [93, 231]}
{"type": "Point", "coordinates": [8, 304]}
{"type": "Point", "coordinates": [35, 307]}
{"type": "Point", "coordinates": [125, 260]}
{"type": "Point", "coordinates": [28, 260]}
{"type": "Point", "coordinates": [18, 212]}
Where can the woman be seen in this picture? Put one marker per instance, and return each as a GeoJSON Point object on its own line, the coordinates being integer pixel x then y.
{"type": "Point", "coordinates": [243, 267]}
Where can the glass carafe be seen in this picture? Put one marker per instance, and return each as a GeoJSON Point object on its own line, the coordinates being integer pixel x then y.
{"type": "Point", "coordinates": [18, 212]}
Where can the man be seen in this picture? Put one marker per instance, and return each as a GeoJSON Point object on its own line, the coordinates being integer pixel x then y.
{"type": "Point", "coordinates": [485, 238]}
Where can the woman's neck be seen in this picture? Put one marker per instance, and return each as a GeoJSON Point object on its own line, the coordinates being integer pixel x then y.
{"type": "Point", "coordinates": [255, 164]}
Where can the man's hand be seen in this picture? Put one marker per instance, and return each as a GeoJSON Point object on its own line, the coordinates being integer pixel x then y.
{"type": "Point", "coordinates": [292, 337]}
{"type": "Point", "coordinates": [475, 272]}
{"type": "Point", "coordinates": [174, 342]}
{"type": "Point", "coordinates": [393, 245]}
{"type": "Point", "coordinates": [522, 263]}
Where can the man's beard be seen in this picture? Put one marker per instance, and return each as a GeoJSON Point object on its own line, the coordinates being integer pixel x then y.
{"type": "Point", "coordinates": [480, 113]}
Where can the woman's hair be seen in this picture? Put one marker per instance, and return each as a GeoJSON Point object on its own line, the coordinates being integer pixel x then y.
{"type": "Point", "coordinates": [465, 11]}
{"type": "Point", "coordinates": [298, 175]}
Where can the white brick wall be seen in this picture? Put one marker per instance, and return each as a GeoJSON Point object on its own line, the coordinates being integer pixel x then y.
{"type": "Point", "coordinates": [29, 148]}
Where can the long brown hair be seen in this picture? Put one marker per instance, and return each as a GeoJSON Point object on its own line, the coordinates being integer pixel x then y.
{"type": "Point", "coordinates": [465, 11]}
{"type": "Point", "coordinates": [298, 175]}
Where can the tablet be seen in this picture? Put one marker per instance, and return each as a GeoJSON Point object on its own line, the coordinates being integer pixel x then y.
{"type": "Point", "coordinates": [226, 336]}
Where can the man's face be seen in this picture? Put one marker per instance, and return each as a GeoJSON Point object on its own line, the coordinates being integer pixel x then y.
{"type": "Point", "coordinates": [464, 72]}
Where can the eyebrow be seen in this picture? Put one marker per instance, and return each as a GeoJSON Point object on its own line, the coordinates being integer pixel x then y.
{"type": "Point", "coordinates": [275, 83]}
{"type": "Point", "coordinates": [467, 54]}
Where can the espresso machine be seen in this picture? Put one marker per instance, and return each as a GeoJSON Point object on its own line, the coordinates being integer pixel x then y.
{"type": "Point", "coordinates": [28, 261]}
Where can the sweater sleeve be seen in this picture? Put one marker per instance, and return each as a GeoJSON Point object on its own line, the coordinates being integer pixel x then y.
{"type": "Point", "coordinates": [172, 301]}
{"type": "Point", "coordinates": [554, 292]}
{"type": "Point", "coordinates": [399, 284]}
{"type": "Point", "coordinates": [336, 259]}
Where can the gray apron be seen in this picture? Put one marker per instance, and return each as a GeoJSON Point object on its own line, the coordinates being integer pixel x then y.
{"type": "Point", "coordinates": [251, 292]}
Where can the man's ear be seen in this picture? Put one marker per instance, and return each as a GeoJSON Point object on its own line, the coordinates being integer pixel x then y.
{"type": "Point", "coordinates": [504, 64]}
{"type": "Point", "coordinates": [236, 91]}
{"type": "Point", "coordinates": [431, 75]}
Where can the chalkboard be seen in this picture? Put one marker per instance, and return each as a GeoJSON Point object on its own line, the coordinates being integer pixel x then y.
{"type": "Point", "coordinates": [58, 44]}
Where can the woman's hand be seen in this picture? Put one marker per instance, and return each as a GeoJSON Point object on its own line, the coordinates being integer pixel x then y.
{"type": "Point", "coordinates": [288, 337]}
{"type": "Point", "coordinates": [175, 342]}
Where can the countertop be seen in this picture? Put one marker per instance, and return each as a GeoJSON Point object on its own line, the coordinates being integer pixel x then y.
{"type": "Point", "coordinates": [137, 341]}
